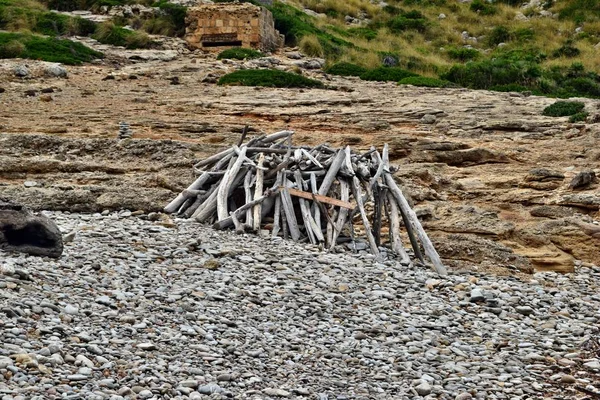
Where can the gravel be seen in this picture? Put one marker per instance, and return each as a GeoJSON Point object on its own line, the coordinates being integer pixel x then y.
{"type": "Point", "coordinates": [172, 309]}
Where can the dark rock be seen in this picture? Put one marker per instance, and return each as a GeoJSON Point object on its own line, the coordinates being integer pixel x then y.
{"type": "Point", "coordinates": [390, 61]}
{"type": "Point", "coordinates": [109, 78]}
{"type": "Point", "coordinates": [543, 175]}
{"type": "Point", "coordinates": [24, 232]}
{"type": "Point", "coordinates": [30, 93]}
{"type": "Point", "coordinates": [2, 90]}
{"type": "Point", "coordinates": [174, 80]}
{"type": "Point", "coordinates": [583, 180]}
{"type": "Point", "coordinates": [48, 90]}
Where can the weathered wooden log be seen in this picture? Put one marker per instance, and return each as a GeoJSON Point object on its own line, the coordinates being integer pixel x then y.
{"type": "Point", "coordinates": [343, 213]}
{"type": "Point", "coordinates": [249, 198]}
{"type": "Point", "coordinates": [226, 222]}
{"type": "Point", "coordinates": [277, 212]}
{"type": "Point", "coordinates": [226, 182]}
{"type": "Point", "coordinates": [356, 192]}
{"type": "Point", "coordinates": [377, 212]}
{"type": "Point", "coordinates": [258, 191]}
{"type": "Point", "coordinates": [412, 217]}
{"type": "Point", "coordinates": [313, 231]}
{"type": "Point", "coordinates": [178, 201]}
{"type": "Point", "coordinates": [394, 227]}
{"type": "Point", "coordinates": [331, 173]}
{"type": "Point", "coordinates": [209, 207]}
{"type": "Point", "coordinates": [290, 215]}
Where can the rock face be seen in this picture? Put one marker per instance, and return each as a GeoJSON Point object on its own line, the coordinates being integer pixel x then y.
{"type": "Point", "coordinates": [24, 232]}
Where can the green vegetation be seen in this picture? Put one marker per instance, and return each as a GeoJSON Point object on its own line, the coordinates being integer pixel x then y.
{"type": "Point", "coordinates": [311, 46]}
{"type": "Point", "coordinates": [171, 24]}
{"type": "Point", "coordinates": [579, 117]}
{"type": "Point", "coordinates": [13, 45]}
{"type": "Point", "coordinates": [412, 20]}
{"type": "Point", "coordinates": [542, 55]}
{"type": "Point", "coordinates": [239, 53]}
{"type": "Point", "coordinates": [482, 7]}
{"type": "Point", "coordinates": [563, 109]}
{"type": "Point", "coordinates": [463, 54]}
{"type": "Point", "coordinates": [295, 24]}
{"type": "Point", "coordinates": [109, 33]}
{"type": "Point", "coordinates": [346, 69]}
{"type": "Point", "coordinates": [424, 81]}
{"type": "Point", "coordinates": [395, 74]}
{"type": "Point", "coordinates": [269, 78]}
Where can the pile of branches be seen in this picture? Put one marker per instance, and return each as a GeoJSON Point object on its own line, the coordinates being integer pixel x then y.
{"type": "Point", "coordinates": [308, 194]}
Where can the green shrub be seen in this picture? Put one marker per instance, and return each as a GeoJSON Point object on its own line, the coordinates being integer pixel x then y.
{"type": "Point", "coordinates": [386, 74]}
{"type": "Point", "coordinates": [346, 69]}
{"type": "Point", "coordinates": [524, 34]}
{"type": "Point", "coordinates": [580, 10]}
{"type": "Point", "coordinates": [463, 54]}
{"type": "Point", "coordinates": [504, 70]}
{"type": "Point", "coordinates": [109, 33]}
{"type": "Point", "coordinates": [295, 24]}
{"type": "Point", "coordinates": [412, 20]}
{"type": "Point", "coordinates": [12, 49]}
{"type": "Point", "coordinates": [482, 7]}
{"type": "Point", "coordinates": [268, 77]}
{"type": "Point", "coordinates": [239, 53]}
{"type": "Point", "coordinates": [424, 81]}
{"type": "Point", "coordinates": [49, 49]}
{"type": "Point", "coordinates": [580, 116]}
{"type": "Point", "coordinates": [425, 3]}
{"type": "Point", "coordinates": [500, 34]}
{"type": "Point", "coordinates": [563, 109]}
{"type": "Point", "coordinates": [567, 50]}
{"type": "Point", "coordinates": [174, 18]}
{"type": "Point", "coordinates": [311, 46]}
{"type": "Point", "coordinates": [365, 33]}
{"type": "Point", "coordinates": [511, 87]}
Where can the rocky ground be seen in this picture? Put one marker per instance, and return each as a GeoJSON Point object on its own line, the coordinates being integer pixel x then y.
{"type": "Point", "coordinates": [488, 174]}
{"type": "Point", "coordinates": [142, 306]}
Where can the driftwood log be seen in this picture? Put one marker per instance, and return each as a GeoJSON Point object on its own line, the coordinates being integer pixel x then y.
{"type": "Point", "coordinates": [319, 195]}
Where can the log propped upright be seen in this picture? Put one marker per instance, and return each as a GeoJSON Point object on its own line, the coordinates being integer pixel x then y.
{"type": "Point", "coordinates": [322, 195]}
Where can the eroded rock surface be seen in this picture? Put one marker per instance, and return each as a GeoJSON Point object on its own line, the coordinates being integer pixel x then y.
{"type": "Point", "coordinates": [490, 152]}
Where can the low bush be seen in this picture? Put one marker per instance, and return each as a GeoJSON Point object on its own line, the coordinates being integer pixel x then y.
{"type": "Point", "coordinates": [412, 20]}
{"type": "Point", "coordinates": [311, 46]}
{"type": "Point", "coordinates": [567, 50]}
{"type": "Point", "coordinates": [482, 7]}
{"type": "Point", "coordinates": [109, 33]}
{"type": "Point", "coordinates": [269, 78]}
{"type": "Point", "coordinates": [510, 87]}
{"type": "Point", "coordinates": [424, 81]}
{"type": "Point", "coordinates": [46, 49]}
{"type": "Point", "coordinates": [239, 53]}
{"type": "Point", "coordinates": [295, 24]}
{"type": "Point", "coordinates": [346, 69]}
{"type": "Point", "coordinates": [11, 49]}
{"type": "Point", "coordinates": [504, 70]}
{"type": "Point", "coordinates": [579, 117]}
{"type": "Point", "coordinates": [500, 34]}
{"type": "Point", "coordinates": [563, 109]}
{"type": "Point", "coordinates": [463, 54]}
{"type": "Point", "coordinates": [395, 74]}
{"type": "Point", "coordinates": [364, 33]}
{"type": "Point", "coordinates": [174, 17]}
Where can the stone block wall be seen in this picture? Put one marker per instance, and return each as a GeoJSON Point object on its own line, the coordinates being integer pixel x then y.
{"type": "Point", "coordinates": [218, 26]}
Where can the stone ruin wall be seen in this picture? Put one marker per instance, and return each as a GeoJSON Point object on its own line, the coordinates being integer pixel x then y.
{"type": "Point", "coordinates": [218, 26]}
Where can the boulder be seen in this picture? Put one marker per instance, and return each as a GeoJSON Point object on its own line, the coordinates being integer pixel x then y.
{"type": "Point", "coordinates": [55, 71]}
{"type": "Point", "coordinates": [22, 231]}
